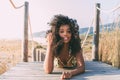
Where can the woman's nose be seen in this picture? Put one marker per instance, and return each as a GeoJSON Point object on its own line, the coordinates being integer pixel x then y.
{"type": "Point", "coordinates": [65, 33]}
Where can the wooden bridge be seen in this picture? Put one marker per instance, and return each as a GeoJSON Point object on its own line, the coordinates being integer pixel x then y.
{"type": "Point", "coordinates": [34, 71]}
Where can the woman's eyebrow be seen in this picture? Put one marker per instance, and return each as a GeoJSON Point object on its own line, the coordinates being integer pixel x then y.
{"type": "Point", "coordinates": [68, 29]}
{"type": "Point", "coordinates": [61, 29]}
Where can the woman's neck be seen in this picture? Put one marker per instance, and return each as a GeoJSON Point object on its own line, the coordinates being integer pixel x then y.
{"type": "Point", "coordinates": [65, 49]}
{"type": "Point", "coordinates": [64, 53]}
{"type": "Point", "coordinates": [65, 46]}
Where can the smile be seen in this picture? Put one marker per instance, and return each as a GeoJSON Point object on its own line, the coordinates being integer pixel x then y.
{"type": "Point", "coordinates": [65, 38]}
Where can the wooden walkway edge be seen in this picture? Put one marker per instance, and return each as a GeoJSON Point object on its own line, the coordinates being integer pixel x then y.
{"type": "Point", "coordinates": [34, 71]}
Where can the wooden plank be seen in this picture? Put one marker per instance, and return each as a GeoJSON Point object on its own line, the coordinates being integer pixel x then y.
{"type": "Point", "coordinates": [34, 71]}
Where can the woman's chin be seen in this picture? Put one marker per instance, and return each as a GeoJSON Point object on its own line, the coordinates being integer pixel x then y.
{"type": "Point", "coordinates": [66, 42]}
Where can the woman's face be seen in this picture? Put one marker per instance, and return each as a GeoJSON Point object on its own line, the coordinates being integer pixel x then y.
{"type": "Point", "coordinates": [65, 33]}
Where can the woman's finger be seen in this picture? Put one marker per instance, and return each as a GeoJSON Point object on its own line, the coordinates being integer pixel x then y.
{"type": "Point", "coordinates": [63, 75]}
{"type": "Point", "coordinates": [66, 75]}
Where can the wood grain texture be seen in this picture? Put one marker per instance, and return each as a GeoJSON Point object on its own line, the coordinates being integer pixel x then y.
{"type": "Point", "coordinates": [34, 71]}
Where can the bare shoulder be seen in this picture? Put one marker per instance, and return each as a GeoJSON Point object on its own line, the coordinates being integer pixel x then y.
{"type": "Point", "coordinates": [79, 54]}
{"type": "Point", "coordinates": [79, 58]}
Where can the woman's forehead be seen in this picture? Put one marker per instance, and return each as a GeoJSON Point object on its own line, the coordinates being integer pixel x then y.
{"type": "Point", "coordinates": [64, 27]}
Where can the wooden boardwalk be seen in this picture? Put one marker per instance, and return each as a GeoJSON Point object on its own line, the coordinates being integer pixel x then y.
{"type": "Point", "coordinates": [34, 71]}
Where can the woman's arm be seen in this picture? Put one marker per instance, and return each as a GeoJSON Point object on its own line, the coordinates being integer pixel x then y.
{"type": "Point", "coordinates": [80, 64]}
{"type": "Point", "coordinates": [80, 67]}
{"type": "Point", "coordinates": [49, 58]}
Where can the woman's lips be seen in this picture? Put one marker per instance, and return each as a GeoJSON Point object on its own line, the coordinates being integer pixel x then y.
{"type": "Point", "coordinates": [65, 38]}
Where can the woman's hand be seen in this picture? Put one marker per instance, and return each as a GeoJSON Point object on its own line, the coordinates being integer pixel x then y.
{"type": "Point", "coordinates": [49, 39]}
{"type": "Point", "coordinates": [66, 75]}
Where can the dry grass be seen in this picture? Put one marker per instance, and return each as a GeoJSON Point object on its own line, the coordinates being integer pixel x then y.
{"type": "Point", "coordinates": [11, 53]}
{"type": "Point", "coordinates": [109, 47]}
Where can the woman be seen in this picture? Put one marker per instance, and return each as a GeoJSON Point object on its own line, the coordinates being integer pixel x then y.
{"type": "Point", "coordinates": [64, 47]}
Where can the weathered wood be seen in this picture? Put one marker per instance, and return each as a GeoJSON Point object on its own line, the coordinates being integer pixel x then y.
{"type": "Point", "coordinates": [96, 35]}
{"type": "Point", "coordinates": [38, 54]}
{"type": "Point", "coordinates": [34, 71]}
{"type": "Point", "coordinates": [25, 46]}
{"type": "Point", "coordinates": [34, 54]}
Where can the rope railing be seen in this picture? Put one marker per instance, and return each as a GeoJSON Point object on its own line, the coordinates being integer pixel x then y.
{"type": "Point", "coordinates": [115, 22]}
{"type": "Point", "coordinates": [109, 11]}
{"type": "Point", "coordinates": [105, 11]}
{"type": "Point", "coordinates": [28, 17]}
{"type": "Point", "coordinates": [87, 34]}
{"type": "Point", "coordinates": [15, 6]}
{"type": "Point", "coordinates": [29, 21]}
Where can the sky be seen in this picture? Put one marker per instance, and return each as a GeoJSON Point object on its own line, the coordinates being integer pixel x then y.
{"type": "Point", "coordinates": [41, 12]}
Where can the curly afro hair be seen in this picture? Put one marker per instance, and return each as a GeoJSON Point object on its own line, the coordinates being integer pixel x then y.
{"type": "Point", "coordinates": [75, 42]}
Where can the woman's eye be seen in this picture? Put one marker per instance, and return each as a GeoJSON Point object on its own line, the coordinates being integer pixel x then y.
{"type": "Point", "coordinates": [69, 31]}
{"type": "Point", "coordinates": [61, 31]}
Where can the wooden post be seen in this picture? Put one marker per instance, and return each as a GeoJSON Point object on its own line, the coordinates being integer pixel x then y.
{"type": "Point", "coordinates": [34, 54]}
{"type": "Point", "coordinates": [95, 50]}
{"type": "Point", "coordinates": [25, 46]}
{"type": "Point", "coordinates": [38, 55]}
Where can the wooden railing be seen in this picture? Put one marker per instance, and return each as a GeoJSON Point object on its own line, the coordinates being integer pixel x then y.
{"type": "Point", "coordinates": [39, 54]}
